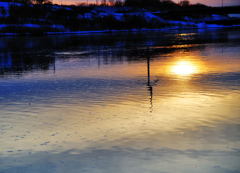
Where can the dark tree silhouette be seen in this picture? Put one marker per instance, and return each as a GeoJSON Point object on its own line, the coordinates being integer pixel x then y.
{"type": "Point", "coordinates": [103, 2]}
{"type": "Point", "coordinates": [3, 11]}
{"type": "Point", "coordinates": [42, 1]}
{"type": "Point", "coordinates": [141, 3]}
{"type": "Point", "coordinates": [151, 3]}
{"type": "Point", "coordinates": [184, 3]}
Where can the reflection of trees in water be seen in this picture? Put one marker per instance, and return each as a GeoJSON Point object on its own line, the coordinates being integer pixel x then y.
{"type": "Point", "coordinates": [120, 40]}
{"type": "Point", "coordinates": [17, 63]}
{"type": "Point", "coordinates": [105, 48]}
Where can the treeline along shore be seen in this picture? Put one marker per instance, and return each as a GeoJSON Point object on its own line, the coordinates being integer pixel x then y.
{"type": "Point", "coordinates": [43, 17]}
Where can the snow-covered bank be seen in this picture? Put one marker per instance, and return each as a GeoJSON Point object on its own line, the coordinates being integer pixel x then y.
{"type": "Point", "coordinates": [56, 19]}
{"type": "Point", "coordinates": [200, 26]}
{"type": "Point", "coordinates": [87, 32]}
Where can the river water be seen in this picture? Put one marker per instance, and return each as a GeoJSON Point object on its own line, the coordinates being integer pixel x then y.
{"type": "Point", "coordinates": [144, 102]}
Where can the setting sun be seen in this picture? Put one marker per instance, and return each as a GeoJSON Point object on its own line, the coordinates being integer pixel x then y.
{"type": "Point", "coordinates": [184, 68]}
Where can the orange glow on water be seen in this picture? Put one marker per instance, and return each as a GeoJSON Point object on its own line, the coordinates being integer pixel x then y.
{"type": "Point", "coordinates": [184, 68]}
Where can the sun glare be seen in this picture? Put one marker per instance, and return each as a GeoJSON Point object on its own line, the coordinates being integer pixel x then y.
{"type": "Point", "coordinates": [184, 68]}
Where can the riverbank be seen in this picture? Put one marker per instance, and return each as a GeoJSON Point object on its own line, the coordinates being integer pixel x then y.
{"type": "Point", "coordinates": [29, 19]}
{"type": "Point", "coordinates": [209, 27]}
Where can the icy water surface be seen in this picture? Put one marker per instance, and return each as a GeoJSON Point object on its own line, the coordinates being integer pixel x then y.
{"type": "Point", "coordinates": [153, 102]}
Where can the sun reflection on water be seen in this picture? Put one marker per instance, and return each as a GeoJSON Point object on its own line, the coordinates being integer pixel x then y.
{"type": "Point", "coordinates": [184, 68]}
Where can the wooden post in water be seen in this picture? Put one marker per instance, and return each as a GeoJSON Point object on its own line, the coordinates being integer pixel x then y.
{"type": "Point", "coordinates": [149, 86]}
{"type": "Point", "coordinates": [148, 71]}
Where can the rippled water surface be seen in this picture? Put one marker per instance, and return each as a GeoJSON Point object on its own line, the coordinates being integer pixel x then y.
{"type": "Point", "coordinates": [159, 102]}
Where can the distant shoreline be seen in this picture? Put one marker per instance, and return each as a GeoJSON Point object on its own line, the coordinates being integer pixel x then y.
{"type": "Point", "coordinates": [88, 32]}
{"type": "Point", "coordinates": [48, 19]}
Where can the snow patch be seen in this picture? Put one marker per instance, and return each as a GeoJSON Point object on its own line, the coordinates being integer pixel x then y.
{"type": "Point", "coordinates": [237, 15]}
{"type": "Point", "coordinates": [216, 17]}
{"type": "Point", "coordinates": [60, 27]}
